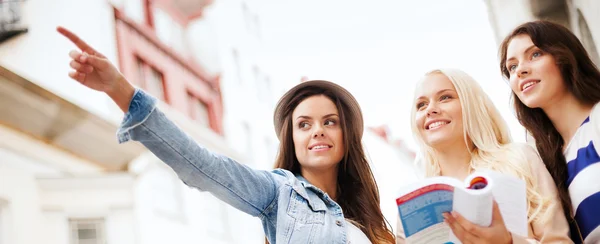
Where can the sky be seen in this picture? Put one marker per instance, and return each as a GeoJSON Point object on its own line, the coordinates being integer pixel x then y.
{"type": "Point", "coordinates": [379, 49]}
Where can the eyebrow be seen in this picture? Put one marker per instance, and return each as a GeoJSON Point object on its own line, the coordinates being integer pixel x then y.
{"type": "Point", "coordinates": [526, 50]}
{"type": "Point", "coordinates": [308, 117]}
{"type": "Point", "coordinates": [442, 91]}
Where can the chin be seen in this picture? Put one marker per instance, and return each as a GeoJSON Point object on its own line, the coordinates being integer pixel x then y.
{"type": "Point", "coordinates": [321, 163]}
{"type": "Point", "coordinates": [535, 99]}
{"type": "Point", "coordinates": [531, 102]}
{"type": "Point", "coordinates": [433, 142]}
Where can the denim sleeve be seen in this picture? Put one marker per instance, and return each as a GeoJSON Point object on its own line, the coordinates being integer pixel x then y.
{"type": "Point", "coordinates": [246, 189]}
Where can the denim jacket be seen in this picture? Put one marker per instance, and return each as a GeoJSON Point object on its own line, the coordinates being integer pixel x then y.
{"type": "Point", "coordinates": [291, 209]}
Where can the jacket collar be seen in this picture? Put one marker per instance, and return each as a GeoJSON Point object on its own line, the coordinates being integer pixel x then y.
{"type": "Point", "coordinates": [316, 197]}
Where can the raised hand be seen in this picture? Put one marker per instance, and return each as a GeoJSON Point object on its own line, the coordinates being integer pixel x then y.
{"type": "Point", "coordinates": [92, 69]}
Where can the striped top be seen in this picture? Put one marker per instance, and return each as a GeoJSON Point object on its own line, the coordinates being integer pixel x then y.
{"type": "Point", "coordinates": [583, 165]}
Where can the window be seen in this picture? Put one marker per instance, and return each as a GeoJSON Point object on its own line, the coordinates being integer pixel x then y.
{"type": "Point", "coordinates": [199, 110]}
{"type": "Point", "coordinates": [247, 16]}
{"type": "Point", "coordinates": [2, 231]}
{"type": "Point", "coordinates": [263, 85]}
{"type": "Point", "coordinates": [4, 222]}
{"type": "Point", "coordinates": [251, 20]}
{"type": "Point", "coordinates": [237, 64]}
{"type": "Point", "coordinates": [148, 17]}
{"type": "Point", "coordinates": [151, 80]}
{"type": "Point", "coordinates": [87, 231]}
{"type": "Point", "coordinates": [10, 19]}
{"type": "Point", "coordinates": [586, 38]}
{"type": "Point", "coordinates": [248, 147]}
{"type": "Point", "coordinates": [256, 73]}
{"type": "Point", "coordinates": [271, 149]}
{"type": "Point", "coordinates": [168, 30]}
{"type": "Point", "coordinates": [10, 13]}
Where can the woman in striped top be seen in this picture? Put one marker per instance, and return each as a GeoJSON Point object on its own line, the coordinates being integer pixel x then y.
{"type": "Point", "coordinates": [556, 89]}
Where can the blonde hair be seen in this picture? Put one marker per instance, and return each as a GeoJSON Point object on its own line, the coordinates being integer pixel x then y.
{"type": "Point", "coordinates": [487, 131]}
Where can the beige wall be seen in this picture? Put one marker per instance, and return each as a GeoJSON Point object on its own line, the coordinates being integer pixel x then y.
{"type": "Point", "coordinates": [20, 210]}
{"type": "Point", "coordinates": [583, 20]}
{"type": "Point", "coordinates": [505, 15]}
{"type": "Point", "coordinates": [587, 13]}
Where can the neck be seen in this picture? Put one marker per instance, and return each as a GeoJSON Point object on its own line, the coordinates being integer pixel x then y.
{"type": "Point", "coordinates": [566, 115]}
{"type": "Point", "coordinates": [454, 161]}
{"type": "Point", "coordinates": [326, 180]}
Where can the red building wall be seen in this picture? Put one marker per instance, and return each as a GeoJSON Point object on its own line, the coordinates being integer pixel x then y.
{"type": "Point", "coordinates": [181, 77]}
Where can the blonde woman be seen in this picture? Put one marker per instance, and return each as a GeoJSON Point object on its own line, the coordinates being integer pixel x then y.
{"type": "Point", "coordinates": [459, 131]}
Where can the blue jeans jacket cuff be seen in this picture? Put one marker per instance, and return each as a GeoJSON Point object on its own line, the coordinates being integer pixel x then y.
{"type": "Point", "coordinates": [140, 107]}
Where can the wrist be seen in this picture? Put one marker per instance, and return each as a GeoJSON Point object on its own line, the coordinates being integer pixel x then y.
{"type": "Point", "coordinates": [122, 93]}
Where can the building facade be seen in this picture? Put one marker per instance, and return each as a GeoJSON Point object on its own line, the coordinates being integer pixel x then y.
{"type": "Point", "coordinates": [62, 174]}
{"type": "Point", "coordinates": [63, 177]}
{"type": "Point", "coordinates": [582, 17]}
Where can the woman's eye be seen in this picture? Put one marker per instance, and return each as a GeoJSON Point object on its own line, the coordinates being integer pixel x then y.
{"type": "Point", "coordinates": [303, 125]}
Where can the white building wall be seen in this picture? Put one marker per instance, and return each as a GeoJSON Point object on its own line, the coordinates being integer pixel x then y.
{"type": "Point", "coordinates": [227, 41]}
{"type": "Point", "coordinates": [505, 15]}
{"type": "Point", "coordinates": [106, 197]}
{"type": "Point", "coordinates": [42, 55]}
{"type": "Point", "coordinates": [154, 213]}
{"type": "Point", "coordinates": [20, 208]}
{"type": "Point", "coordinates": [393, 169]}
{"type": "Point", "coordinates": [153, 206]}
{"type": "Point", "coordinates": [587, 13]}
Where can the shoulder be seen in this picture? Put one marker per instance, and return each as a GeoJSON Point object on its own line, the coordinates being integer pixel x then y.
{"type": "Point", "coordinates": [596, 111]}
{"type": "Point", "coordinates": [287, 178]}
{"type": "Point", "coordinates": [587, 136]}
{"type": "Point", "coordinates": [594, 118]}
{"type": "Point", "coordinates": [284, 176]}
{"type": "Point", "coordinates": [527, 150]}
{"type": "Point", "coordinates": [283, 173]}
{"type": "Point", "coordinates": [530, 155]}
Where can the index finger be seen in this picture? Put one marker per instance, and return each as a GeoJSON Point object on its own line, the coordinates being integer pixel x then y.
{"type": "Point", "coordinates": [466, 224]}
{"type": "Point", "coordinates": [457, 229]}
{"type": "Point", "coordinates": [76, 40]}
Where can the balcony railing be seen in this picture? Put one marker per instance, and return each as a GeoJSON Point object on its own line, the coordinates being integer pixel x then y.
{"type": "Point", "coordinates": [11, 23]}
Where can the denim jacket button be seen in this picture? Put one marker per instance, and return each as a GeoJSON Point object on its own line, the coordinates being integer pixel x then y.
{"type": "Point", "coordinates": [338, 223]}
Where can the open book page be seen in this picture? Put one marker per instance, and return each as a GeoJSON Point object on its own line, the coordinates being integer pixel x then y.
{"type": "Point", "coordinates": [421, 210]}
{"type": "Point", "coordinates": [511, 196]}
{"type": "Point", "coordinates": [421, 205]}
{"type": "Point", "coordinates": [474, 205]}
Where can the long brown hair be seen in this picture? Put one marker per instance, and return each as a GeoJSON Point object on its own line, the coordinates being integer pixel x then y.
{"type": "Point", "coordinates": [582, 79]}
{"type": "Point", "coordinates": [357, 191]}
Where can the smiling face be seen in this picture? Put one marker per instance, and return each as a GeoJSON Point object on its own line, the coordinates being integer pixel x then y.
{"type": "Point", "coordinates": [438, 115]}
{"type": "Point", "coordinates": [534, 75]}
{"type": "Point", "coordinates": [317, 133]}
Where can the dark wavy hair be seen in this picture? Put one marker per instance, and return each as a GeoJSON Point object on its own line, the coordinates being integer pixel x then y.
{"type": "Point", "coordinates": [581, 78]}
{"type": "Point", "coordinates": [358, 195]}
